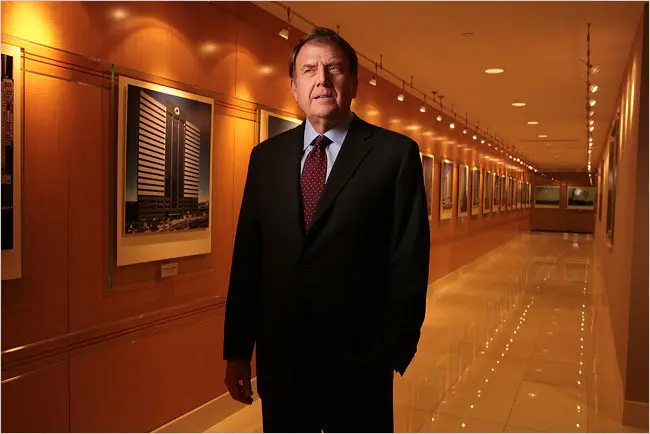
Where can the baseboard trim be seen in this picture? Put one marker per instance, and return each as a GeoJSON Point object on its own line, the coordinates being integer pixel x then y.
{"type": "Point", "coordinates": [635, 414]}
{"type": "Point", "coordinates": [207, 415]}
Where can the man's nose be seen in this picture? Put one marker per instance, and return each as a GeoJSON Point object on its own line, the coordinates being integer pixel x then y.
{"type": "Point", "coordinates": [322, 76]}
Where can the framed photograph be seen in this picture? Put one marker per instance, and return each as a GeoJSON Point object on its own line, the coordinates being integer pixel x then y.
{"type": "Point", "coordinates": [495, 192]}
{"type": "Point", "coordinates": [547, 197]}
{"type": "Point", "coordinates": [504, 192]}
{"type": "Point", "coordinates": [446, 189]}
{"type": "Point", "coordinates": [509, 191]}
{"type": "Point", "coordinates": [601, 187]}
{"type": "Point", "coordinates": [487, 191]}
{"type": "Point", "coordinates": [476, 191]}
{"type": "Point", "coordinates": [427, 171]}
{"type": "Point", "coordinates": [581, 197]}
{"type": "Point", "coordinates": [11, 194]}
{"type": "Point", "coordinates": [519, 194]}
{"type": "Point", "coordinates": [530, 194]}
{"type": "Point", "coordinates": [463, 197]}
{"type": "Point", "coordinates": [164, 172]}
{"type": "Point", "coordinates": [271, 124]}
{"type": "Point", "coordinates": [612, 168]}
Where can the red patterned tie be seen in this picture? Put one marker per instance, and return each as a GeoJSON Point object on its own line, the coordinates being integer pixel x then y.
{"type": "Point", "coordinates": [312, 181]}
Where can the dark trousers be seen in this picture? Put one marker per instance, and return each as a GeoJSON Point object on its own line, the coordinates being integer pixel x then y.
{"type": "Point", "coordinates": [335, 400]}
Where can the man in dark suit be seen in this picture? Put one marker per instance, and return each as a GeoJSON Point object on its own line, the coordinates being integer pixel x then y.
{"type": "Point", "coordinates": [331, 257]}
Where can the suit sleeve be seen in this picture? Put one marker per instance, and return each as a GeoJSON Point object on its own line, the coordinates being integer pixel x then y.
{"type": "Point", "coordinates": [245, 272]}
{"type": "Point", "coordinates": [409, 261]}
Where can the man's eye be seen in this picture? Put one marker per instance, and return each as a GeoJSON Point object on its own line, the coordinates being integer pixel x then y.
{"type": "Point", "coordinates": [335, 68]}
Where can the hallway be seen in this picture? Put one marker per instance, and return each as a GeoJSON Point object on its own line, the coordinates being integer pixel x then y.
{"type": "Point", "coordinates": [516, 341]}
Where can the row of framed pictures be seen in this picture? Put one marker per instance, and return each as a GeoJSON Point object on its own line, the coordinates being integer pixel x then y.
{"type": "Point", "coordinates": [491, 191]}
{"type": "Point", "coordinates": [577, 197]}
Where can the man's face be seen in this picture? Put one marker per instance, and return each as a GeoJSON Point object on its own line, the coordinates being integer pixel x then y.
{"type": "Point", "coordinates": [323, 86]}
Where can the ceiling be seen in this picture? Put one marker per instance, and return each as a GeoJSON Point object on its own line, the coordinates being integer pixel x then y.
{"type": "Point", "coordinates": [541, 45]}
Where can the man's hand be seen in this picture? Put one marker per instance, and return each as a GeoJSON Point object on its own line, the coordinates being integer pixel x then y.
{"type": "Point", "coordinates": [238, 380]}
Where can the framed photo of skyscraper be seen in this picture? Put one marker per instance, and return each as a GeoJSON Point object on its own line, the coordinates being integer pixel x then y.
{"type": "Point", "coordinates": [272, 124]}
{"type": "Point", "coordinates": [476, 191]}
{"type": "Point", "coordinates": [487, 191]}
{"type": "Point", "coordinates": [463, 199]}
{"type": "Point", "coordinates": [164, 172]}
{"type": "Point", "coordinates": [12, 108]}
{"type": "Point", "coordinates": [495, 192]}
{"type": "Point", "coordinates": [427, 171]}
{"type": "Point", "coordinates": [446, 189]}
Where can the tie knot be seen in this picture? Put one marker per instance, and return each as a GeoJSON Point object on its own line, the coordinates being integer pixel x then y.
{"type": "Point", "coordinates": [321, 142]}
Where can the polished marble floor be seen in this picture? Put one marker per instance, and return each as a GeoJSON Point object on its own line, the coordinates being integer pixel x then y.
{"type": "Point", "coordinates": [516, 341]}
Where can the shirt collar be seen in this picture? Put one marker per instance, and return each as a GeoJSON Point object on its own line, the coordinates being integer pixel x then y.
{"type": "Point", "coordinates": [336, 134]}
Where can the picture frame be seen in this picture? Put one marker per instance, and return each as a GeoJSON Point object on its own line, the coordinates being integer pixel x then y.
{"type": "Point", "coordinates": [446, 189]}
{"type": "Point", "coordinates": [463, 193]}
{"type": "Point", "coordinates": [487, 192]}
{"type": "Point", "coordinates": [476, 191]}
{"type": "Point", "coordinates": [504, 192]}
{"type": "Point", "coordinates": [164, 182]}
{"type": "Point", "coordinates": [581, 198]}
{"type": "Point", "coordinates": [612, 175]}
{"type": "Point", "coordinates": [273, 123]}
{"type": "Point", "coordinates": [495, 192]}
{"type": "Point", "coordinates": [547, 196]}
{"type": "Point", "coordinates": [601, 187]}
{"type": "Point", "coordinates": [427, 172]}
{"type": "Point", "coordinates": [12, 148]}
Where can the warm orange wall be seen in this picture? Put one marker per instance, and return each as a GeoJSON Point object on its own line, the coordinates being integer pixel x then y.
{"type": "Point", "coordinates": [563, 219]}
{"type": "Point", "coordinates": [622, 263]}
{"type": "Point", "coordinates": [145, 351]}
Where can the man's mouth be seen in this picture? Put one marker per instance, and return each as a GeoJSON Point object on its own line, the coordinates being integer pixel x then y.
{"type": "Point", "coordinates": [323, 97]}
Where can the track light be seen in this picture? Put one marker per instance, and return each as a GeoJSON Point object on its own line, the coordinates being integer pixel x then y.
{"type": "Point", "coordinates": [423, 108]}
{"type": "Point", "coordinates": [482, 141]}
{"type": "Point", "coordinates": [474, 137]}
{"type": "Point", "coordinates": [591, 121]}
{"type": "Point", "coordinates": [591, 113]}
{"type": "Point", "coordinates": [400, 97]}
{"type": "Point", "coordinates": [439, 118]}
{"type": "Point", "coordinates": [593, 88]}
{"type": "Point", "coordinates": [373, 81]}
{"type": "Point", "coordinates": [452, 125]}
{"type": "Point", "coordinates": [591, 128]}
{"type": "Point", "coordinates": [284, 33]}
{"type": "Point", "coordinates": [592, 103]}
{"type": "Point", "coordinates": [464, 130]}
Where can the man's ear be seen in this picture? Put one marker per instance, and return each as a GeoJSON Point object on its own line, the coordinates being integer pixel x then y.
{"type": "Point", "coordinates": [292, 85]}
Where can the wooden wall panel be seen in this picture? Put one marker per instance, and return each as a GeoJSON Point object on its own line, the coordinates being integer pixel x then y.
{"type": "Point", "coordinates": [120, 386]}
{"type": "Point", "coordinates": [41, 310]}
{"type": "Point", "coordinates": [38, 402]}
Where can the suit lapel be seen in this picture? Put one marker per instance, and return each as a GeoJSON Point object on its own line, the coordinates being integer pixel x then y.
{"type": "Point", "coordinates": [354, 149]}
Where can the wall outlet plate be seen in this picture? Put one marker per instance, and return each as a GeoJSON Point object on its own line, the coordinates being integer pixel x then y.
{"type": "Point", "coordinates": [169, 270]}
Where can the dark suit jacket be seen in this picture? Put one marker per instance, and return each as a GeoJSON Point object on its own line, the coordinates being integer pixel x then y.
{"type": "Point", "coordinates": [351, 290]}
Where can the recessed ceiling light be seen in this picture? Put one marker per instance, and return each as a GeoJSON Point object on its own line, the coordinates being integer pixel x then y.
{"type": "Point", "coordinates": [542, 136]}
{"type": "Point", "coordinates": [494, 71]}
{"type": "Point", "coordinates": [518, 104]}
{"type": "Point", "coordinates": [533, 122]}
